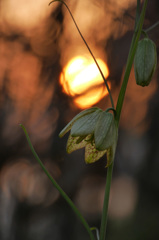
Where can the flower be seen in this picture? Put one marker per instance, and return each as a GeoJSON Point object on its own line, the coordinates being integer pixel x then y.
{"type": "Point", "coordinates": [95, 130]}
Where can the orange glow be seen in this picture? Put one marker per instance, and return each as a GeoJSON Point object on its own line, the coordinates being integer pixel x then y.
{"type": "Point", "coordinates": [26, 14]}
{"type": "Point", "coordinates": [81, 79]}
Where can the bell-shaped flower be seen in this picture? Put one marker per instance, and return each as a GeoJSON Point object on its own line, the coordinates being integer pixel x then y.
{"type": "Point", "coordinates": [95, 130]}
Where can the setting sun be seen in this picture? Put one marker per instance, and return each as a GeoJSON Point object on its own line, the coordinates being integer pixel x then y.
{"type": "Point", "coordinates": [81, 80]}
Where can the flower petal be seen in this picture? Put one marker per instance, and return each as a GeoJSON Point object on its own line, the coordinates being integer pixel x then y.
{"type": "Point", "coordinates": [86, 124]}
{"type": "Point", "coordinates": [92, 154]}
{"type": "Point", "coordinates": [75, 143]}
{"type": "Point", "coordinates": [102, 132]}
{"type": "Point", "coordinates": [110, 156]}
{"type": "Point", "coordinates": [112, 137]}
{"type": "Point", "coordinates": [78, 116]}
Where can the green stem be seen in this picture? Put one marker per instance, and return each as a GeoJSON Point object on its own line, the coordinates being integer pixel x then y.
{"type": "Point", "coordinates": [152, 27]}
{"type": "Point", "coordinates": [106, 84]}
{"type": "Point", "coordinates": [106, 203]}
{"type": "Point", "coordinates": [63, 194]}
{"type": "Point", "coordinates": [131, 55]}
{"type": "Point", "coordinates": [135, 39]}
{"type": "Point", "coordinates": [137, 13]}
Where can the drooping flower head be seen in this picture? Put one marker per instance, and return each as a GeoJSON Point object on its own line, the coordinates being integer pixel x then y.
{"type": "Point", "coordinates": [95, 130]}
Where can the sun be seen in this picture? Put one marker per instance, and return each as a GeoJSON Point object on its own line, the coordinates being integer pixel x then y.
{"type": "Point", "coordinates": [81, 79]}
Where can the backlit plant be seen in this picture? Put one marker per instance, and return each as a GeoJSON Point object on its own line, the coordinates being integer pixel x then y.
{"type": "Point", "coordinates": [97, 130]}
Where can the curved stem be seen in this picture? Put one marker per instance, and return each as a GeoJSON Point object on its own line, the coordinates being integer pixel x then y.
{"type": "Point", "coordinates": [97, 232]}
{"type": "Point", "coordinates": [111, 109]}
{"type": "Point", "coordinates": [63, 194]}
{"type": "Point", "coordinates": [106, 84]}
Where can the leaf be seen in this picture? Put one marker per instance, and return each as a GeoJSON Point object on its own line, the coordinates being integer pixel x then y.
{"type": "Point", "coordinates": [86, 124]}
{"type": "Point", "coordinates": [81, 114]}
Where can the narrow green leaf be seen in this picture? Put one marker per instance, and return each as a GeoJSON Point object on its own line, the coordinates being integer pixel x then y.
{"type": "Point", "coordinates": [63, 194]}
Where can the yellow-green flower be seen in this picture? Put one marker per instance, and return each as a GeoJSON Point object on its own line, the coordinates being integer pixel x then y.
{"type": "Point", "coordinates": [95, 130]}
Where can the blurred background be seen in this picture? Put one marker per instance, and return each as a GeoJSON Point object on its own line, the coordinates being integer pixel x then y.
{"type": "Point", "coordinates": [47, 76]}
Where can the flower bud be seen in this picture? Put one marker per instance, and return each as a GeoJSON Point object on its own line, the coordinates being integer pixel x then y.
{"type": "Point", "coordinates": [145, 61]}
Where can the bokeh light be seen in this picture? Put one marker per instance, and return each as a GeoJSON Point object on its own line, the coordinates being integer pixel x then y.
{"type": "Point", "coordinates": [82, 80]}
